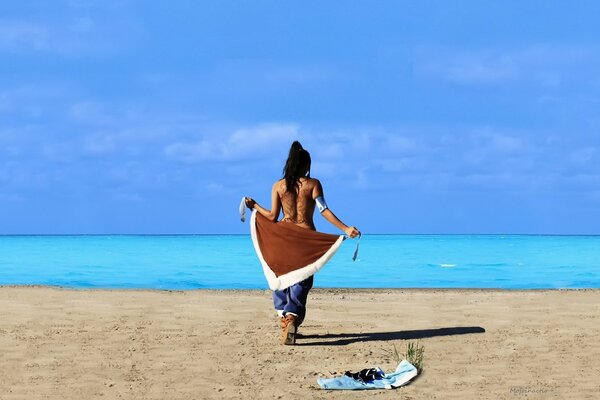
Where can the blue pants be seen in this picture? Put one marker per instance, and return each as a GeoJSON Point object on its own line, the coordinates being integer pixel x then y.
{"type": "Point", "coordinates": [293, 299]}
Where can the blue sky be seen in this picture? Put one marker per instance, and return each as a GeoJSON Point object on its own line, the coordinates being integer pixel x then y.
{"type": "Point", "coordinates": [421, 117]}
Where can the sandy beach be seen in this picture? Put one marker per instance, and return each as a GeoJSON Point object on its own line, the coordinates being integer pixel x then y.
{"type": "Point", "coordinates": [138, 344]}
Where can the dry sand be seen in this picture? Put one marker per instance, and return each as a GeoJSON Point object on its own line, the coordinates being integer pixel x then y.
{"type": "Point", "coordinates": [130, 344]}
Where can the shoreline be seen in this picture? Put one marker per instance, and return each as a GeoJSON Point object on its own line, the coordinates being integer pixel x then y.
{"type": "Point", "coordinates": [223, 344]}
{"type": "Point", "coordinates": [314, 289]}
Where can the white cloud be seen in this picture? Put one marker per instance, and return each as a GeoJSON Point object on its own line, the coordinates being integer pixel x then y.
{"type": "Point", "coordinates": [499, 142]}
{"type": "Point", "coordinates": [325, 170]}
{"type": "Point", "coordinates": [33, 99]}
{"type": "Point", "coordinates": [362, 181]}
{"type": "Point", "coordinates": [543, 65]}
{"type": "Point", "coordinates": [90, 112]}
{"type": "Point", "coordinates": [82, 25]}
{"type": "Point", "coordinates": [585, 157]}
{"type": "Point", "coordinates": [274, 74]}
{"type": "Point", "coordinates": [214, 187]}
{"type": "Point", "coordinates": [362, 157]}
{"type": "Point", "coordinates": [296, 75]}
{"type": "Point", "coordinates": [472, 70]}
{"type": "Point", "coordinates": [400, 144]}
{"type": "Point", "coordinates": [549, 79]}
{"type": "Point", "coordinates": [62, 152]}
{"type": "Point", "coordinates": [262, 140]}
{"type": "Point", "coordinates": [99, 144]}
{"type": "Point", "coordinates": [123, 195]}
{"type": "Point", "coordinates": [10, 197]}
{"type": "Point", "coordinates": [87, 4]}
{"type": "Point", "coordinates": [402, 164]}
{"type": "Point", "coordinates": [70, 34]}
{"type": "Point", "coordinates": [331, 150]}
{"type": "Point", "coordinates": [5, 103]}
{"type": "Point", "coordinates": [23, 34]}
{"type": "Point", "coordinates": [199, 151]}
{"type": "Point", "coordinates": [9, 151]}
{"type": "Point", "coordinates": [82, 3]}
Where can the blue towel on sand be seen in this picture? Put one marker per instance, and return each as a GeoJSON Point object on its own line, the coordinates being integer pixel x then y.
{"type": "Point", "coordinates": [403, 374]}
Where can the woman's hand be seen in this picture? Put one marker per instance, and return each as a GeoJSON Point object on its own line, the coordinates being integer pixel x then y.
{"type": "Point", "coordinates": [250, 203]}
{"type": "Point", "coordinates": [351, 231]}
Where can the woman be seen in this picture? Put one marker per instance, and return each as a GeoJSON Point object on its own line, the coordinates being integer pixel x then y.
{"type": "Point", "coordinates": [298, 194]}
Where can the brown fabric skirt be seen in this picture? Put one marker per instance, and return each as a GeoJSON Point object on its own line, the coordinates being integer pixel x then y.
{"type": "Point", "coordinates": [289, 253]}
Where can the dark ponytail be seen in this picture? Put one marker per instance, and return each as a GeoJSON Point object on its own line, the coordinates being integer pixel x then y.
{"type": "Point", "coordinates": [296, 166]}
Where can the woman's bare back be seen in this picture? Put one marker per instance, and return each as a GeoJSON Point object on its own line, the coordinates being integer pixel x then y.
{"type": "Point", "coordinates": [298, 209]}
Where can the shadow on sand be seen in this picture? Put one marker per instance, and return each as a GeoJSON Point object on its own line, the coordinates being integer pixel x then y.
{"type": "Point", "coordinates": [343, 339]}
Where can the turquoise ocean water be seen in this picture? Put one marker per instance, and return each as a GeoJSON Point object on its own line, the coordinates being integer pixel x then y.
{"type": "Point", "coordinates": [229, 262]}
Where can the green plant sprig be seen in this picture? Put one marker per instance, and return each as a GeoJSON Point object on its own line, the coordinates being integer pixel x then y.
{"type": "Point", "coordinates": [415, 353]}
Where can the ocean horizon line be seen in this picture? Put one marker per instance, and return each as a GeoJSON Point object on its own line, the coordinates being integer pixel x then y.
{"type": "Point", "coordinates": [248, 234]}
{"type": "Point", "coordinates": [315, 288]}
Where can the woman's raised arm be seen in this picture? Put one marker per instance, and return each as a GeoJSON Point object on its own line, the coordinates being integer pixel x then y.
{"type": "Point", "coordinates": [271, 214]}
{"type": "Point", "coordinates": [317, 195]}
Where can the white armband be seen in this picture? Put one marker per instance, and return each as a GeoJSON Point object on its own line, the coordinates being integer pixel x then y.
{"type": "Point", "coordinates": [243, 209]}
{"type": "Point", "coordinates": [321, 204]}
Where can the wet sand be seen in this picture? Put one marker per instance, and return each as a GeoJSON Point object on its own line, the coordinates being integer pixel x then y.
{"type": "Point", "coordinates": [138, 344]}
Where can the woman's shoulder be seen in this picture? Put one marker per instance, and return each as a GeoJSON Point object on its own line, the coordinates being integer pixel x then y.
{"type": "Point", "coordinates": [314, 181]}
{"type": "Point", "coordinates": [312, 184]}
{"type": "Point", "coordinates": [305, 180]}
